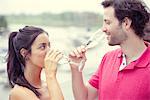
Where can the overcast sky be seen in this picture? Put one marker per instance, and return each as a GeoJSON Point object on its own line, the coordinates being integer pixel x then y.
{"type": "Point", "coordinates": [55, 6]}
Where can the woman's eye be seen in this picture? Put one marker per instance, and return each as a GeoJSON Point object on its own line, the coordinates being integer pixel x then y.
{"type": "Point", "coordinates": [42, 47]}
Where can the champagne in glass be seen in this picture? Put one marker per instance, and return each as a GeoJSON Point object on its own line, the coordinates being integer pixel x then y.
{"type": "Point", "coordinates": [91, 43]}
{"type": "Point", "coordinates": [94, 39]}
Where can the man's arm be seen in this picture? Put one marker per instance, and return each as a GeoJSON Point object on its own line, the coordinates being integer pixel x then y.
{"type": "Point", "coordinates": [80, 90]}
{"type": "Point", "coordinates": [92, 92]}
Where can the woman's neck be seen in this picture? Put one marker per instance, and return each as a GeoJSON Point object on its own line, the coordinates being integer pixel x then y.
{"type": "Point", "coordinates": [33, 75]}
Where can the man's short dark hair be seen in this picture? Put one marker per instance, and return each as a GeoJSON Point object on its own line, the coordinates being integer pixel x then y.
{"type": "Point", "coordinates": [135, 10]}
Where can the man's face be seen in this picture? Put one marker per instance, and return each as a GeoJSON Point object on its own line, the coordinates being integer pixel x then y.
{"type": "Point", "coordinates": [112, 28]}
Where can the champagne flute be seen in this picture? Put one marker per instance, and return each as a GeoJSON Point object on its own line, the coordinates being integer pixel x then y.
{"type": "Point", "coordinates": [91, 43]}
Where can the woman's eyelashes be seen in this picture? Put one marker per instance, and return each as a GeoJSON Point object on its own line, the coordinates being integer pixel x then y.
{"type": "Point", "coordinates": [42, 46]}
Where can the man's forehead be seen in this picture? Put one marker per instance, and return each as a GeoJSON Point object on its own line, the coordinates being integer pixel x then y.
{"type": "Point", "coordinates": [108, 12]}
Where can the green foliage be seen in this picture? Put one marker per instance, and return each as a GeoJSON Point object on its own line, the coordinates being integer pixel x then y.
{"type": "Point", "coordinates": [86, 19]}
{"type": "Point", "coordinates": [3, 22]}
{"type": "Point", "coordinates": [3, 25]}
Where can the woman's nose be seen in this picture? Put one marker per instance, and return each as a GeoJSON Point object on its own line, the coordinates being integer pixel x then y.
{"type": "Point", "coordinates": [47, 49]}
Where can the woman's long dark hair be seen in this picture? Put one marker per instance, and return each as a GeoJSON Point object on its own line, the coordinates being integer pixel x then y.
{"type": "Point", "coordinates": [15, 61]}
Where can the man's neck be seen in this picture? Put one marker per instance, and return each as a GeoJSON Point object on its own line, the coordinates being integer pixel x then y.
{"type": "Point", "coordinates": [133, 48]}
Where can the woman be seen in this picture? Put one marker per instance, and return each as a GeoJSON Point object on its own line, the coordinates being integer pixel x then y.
{"type": "Point", "coordinates": [28, 53]}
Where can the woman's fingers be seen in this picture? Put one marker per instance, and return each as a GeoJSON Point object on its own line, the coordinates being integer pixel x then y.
{"type": "Point", "coordinates": [58, 57]}
{"type": "Point", "coordinates": [49, 53]}
{"type": "Point", "coordinates": [53, 55]}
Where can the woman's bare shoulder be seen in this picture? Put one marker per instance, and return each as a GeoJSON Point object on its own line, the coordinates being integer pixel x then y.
{"type": "Point", "coordinates": [21, 93]}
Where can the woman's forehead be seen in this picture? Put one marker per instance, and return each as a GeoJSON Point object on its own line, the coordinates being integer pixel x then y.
{"type": "Point", "coordinates": [41, 38]}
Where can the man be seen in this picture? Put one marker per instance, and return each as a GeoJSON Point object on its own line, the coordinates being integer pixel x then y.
{"type": "Point", "coordinates": [123, 74]}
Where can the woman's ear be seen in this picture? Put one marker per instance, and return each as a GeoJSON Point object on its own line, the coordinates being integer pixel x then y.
{"type": "Point", "coordinates": [23, 52]}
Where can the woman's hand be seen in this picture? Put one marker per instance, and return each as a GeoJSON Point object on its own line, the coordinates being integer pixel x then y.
{"type": "Point", "coordinates": [51, 60]}
{"type": "Point", "coordinates": [77, 56]}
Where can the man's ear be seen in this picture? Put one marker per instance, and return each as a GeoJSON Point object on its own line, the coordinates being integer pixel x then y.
{"type": "Point", "coordinates": [127, 23]}
{"type": "Point", "coordinates": [23, 52]}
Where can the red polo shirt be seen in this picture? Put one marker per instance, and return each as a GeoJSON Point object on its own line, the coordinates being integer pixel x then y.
{"type": "Point", "coordinates": [131, 83]}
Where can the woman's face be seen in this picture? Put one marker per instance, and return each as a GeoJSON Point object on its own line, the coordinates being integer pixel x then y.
{"type": "Point", "coordinates": [39, 49]}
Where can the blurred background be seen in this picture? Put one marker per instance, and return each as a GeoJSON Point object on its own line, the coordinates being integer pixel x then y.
{"type": "Point", "coordinates": [69, 23]}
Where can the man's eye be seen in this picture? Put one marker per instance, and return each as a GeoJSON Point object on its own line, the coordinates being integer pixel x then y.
{"type": "Point", "coordinates": [108, 23]}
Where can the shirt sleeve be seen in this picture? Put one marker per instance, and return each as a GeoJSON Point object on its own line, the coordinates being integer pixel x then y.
{"type": "Point", "coordinates": [96, 77]}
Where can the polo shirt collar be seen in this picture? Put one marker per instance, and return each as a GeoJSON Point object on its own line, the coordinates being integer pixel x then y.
{"type": "Point", "coordinates": [120, 53]}
{"type": "Point", "coordinates": [143, 61]}
{"type": "Point", "coordinates": [145, 57]}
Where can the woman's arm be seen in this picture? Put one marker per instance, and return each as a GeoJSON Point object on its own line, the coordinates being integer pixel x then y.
{"type": "Point", "coordinates": [54, 89]}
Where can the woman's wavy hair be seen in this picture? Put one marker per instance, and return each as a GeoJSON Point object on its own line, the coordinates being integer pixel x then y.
{"type": "Point", "coordinates": [15, 61]}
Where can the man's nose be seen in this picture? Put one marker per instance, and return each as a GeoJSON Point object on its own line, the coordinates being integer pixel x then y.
{"type": "Point", "coordinates": [104, 29]}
